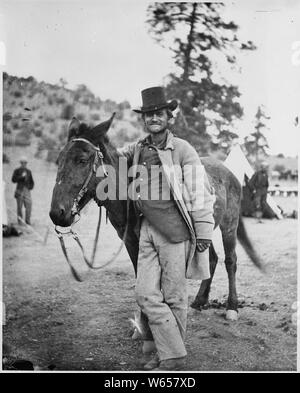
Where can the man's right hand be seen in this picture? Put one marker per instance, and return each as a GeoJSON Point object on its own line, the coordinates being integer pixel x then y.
{"type": "Point", "coordinates": [203, 244]}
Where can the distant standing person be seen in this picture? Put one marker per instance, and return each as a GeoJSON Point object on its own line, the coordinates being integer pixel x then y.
{"type": "Point", "coordinates": [259, 184]}
{"type": "Point", "coordinates": [23, 177]}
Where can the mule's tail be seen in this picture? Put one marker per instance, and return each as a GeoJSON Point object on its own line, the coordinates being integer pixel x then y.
{"type": "Point", "coordinates": [246, 243]}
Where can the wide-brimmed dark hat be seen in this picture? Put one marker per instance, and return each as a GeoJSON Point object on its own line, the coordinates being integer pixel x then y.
{"type": "Point", "coordinates": [154, 99]}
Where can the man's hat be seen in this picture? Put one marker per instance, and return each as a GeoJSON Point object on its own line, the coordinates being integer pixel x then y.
{"type": "Point", "coordinates": [154, 99]}
{"type": "Point", "coordinates": [23, 159]}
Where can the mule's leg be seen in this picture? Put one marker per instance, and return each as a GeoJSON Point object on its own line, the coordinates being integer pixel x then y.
{"type": "Point", "coordinates": [229, 243]}
{"type": "Point", "coordinates": [202, 296]}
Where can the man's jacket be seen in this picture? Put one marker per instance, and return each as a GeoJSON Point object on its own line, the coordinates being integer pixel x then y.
{"type": "Point", "coordinates": [193, 195]}
{"type": "Point", "coordinates": [22, 182]}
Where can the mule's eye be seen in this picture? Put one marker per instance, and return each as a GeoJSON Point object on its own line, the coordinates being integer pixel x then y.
{"type": "Point", "coordinates": [82, 161]}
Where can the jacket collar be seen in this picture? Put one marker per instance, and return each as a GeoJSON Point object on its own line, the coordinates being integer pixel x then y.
{"type": "Point", "coordinates": [168, 145]}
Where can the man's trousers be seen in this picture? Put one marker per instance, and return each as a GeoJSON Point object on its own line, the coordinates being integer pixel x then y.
{"type": "Point", "coordinates": [24, 199]}
{"type": "Point", "coordinates": [161, 290]}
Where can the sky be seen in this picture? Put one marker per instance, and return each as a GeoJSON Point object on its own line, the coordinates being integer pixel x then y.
{"type": "Point", "coordinates": [106, 46]}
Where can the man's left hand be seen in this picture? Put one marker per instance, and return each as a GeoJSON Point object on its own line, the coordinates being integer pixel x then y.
{"type": "Point", "coordinates": [203, 244]}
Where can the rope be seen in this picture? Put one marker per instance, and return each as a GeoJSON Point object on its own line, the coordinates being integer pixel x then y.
{"type": "Point", "coordinates": [90, 263]}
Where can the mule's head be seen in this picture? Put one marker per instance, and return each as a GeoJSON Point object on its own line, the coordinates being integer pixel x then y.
{"type": "Point", "coordinates": [75, 163]}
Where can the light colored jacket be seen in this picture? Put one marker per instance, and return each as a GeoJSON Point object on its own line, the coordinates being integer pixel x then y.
{"type": "Point", "coordinates": [193, 195]}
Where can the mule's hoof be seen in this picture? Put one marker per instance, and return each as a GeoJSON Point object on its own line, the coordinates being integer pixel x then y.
{"type": "Point", "coordinates": [232, 315]}
{"type": "Point", "coordinates": [197, 306]}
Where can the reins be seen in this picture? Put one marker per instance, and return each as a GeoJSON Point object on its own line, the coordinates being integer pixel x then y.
{"type": "Point", "coordinates": [76, 212]}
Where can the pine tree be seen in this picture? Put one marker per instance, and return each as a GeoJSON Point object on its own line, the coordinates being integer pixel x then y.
{"type": "Point", "coordinates": [256, 143]}
{"type": "Point", "coordinates": [196, 34]}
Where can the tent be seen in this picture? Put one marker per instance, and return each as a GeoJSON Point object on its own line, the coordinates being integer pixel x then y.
{"type": "Point", "coordinates": [240, 166]}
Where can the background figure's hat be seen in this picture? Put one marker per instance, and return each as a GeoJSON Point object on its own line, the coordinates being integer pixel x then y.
{"type": "Point", "coordinates": [154, 99]}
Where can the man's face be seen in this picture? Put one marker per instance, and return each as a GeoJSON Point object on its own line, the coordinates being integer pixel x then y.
{"type": "Point", "coordinates": [156, 121]}
{"type": "Point", "coordinates": [23, 164]}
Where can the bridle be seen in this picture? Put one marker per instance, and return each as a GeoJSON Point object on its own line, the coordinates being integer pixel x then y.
{"type": "Point", "coordinates": [75, 211]}
{"type": "Point", "coordinates": [98, 157]}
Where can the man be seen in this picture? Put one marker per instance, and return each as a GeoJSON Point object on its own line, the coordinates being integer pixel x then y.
{"type": "Point", "coordinates": [259, 184]}
{"type": "Point", "coordinates": [23, 177]}
{"type": "Point", "coordinates": [174, 231]}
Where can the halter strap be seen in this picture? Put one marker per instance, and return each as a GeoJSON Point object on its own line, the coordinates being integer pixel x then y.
{"type": "Point", "coordinates": [98, 156]}
{"type": "Point", "coordinates": [88, 142]}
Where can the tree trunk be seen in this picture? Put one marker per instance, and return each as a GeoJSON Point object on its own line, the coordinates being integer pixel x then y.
{"type": "Point", "coordinates": [189, 47]}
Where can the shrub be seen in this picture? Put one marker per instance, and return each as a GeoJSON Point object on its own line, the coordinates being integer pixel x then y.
{"type": "Point", "coordinates": [119, 115]}
{"type": "Point", "coordinates": [7, 116]}
{"type": "Point", "coordinates": [49, 146]}
{"type": "Point", "coordinates": [23, 138]}
{"type": "Point", "coordinates": [22, 141]}
{"type": "Point", "coordinates": [15, 124]}
{"type": "Point", "coordinates": [52, 129]}
{"type": "Point", "coordinates": [80, 116]}
{"type": "Point", "coordinates": [6, 130]}
{"type": "Point", "coordinates": [48, 119]}
{"type": "Point", "coordinates": [122, 136]}
{"type": "Point", "coordinates": [124, 105]}
{"type": "Point", "coordinates": [38, 132]}
{"type": "Point", "coordinates": [8, 140]}
{"type": "Point", "coordinates": [86, 101]}
{"type": "Point", "coordinates": [95, 117]}
{"type": "Point", "coordinates": [52, 155]}
{"type": "Point", "coordinates": [67, 112]}
{"type": "Point", "coordinates": [60, 100]}
{"type": "Point", "coordinates": [17, 93]}
{"type": "Point", "coordinates": [5, 158]}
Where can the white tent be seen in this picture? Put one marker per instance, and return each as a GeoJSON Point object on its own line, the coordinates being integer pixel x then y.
{"type": "Point", "coordinates": [239, 166]}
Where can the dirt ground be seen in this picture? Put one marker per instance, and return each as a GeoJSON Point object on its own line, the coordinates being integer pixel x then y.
{"type": "Point", "coordinates": [56, 322]}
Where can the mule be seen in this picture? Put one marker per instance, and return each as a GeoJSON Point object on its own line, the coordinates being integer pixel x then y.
{"type": "Point", "coordinates": [75, 164]}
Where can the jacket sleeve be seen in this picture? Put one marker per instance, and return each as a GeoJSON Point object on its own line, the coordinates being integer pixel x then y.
{"type": "Point", "coordinates": [30, 181]}
{"type": "Point", "coordinates": [16, 176]}
{"type": "Point", "coordinates": [198, 194]}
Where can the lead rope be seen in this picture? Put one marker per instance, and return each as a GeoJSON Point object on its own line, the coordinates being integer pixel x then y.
{"type": "Point", "coordinates": [90, 263]}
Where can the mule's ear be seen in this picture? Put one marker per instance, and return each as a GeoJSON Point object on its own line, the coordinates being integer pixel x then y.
{"type": "Point", "coordinates": [73, 128]}
{"type": "Point", "coordinates": [102, 128]}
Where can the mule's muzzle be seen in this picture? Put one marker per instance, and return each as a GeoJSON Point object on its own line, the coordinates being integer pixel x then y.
{"type": "Point", "coordinates": [60, 216]}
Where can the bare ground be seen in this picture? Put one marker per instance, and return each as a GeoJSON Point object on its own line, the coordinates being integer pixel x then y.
{"type": "Point", "coordinates": [52, 320]}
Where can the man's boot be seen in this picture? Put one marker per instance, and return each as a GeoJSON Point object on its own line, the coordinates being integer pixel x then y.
{"type": "Point", "coordinates": [171, 364]}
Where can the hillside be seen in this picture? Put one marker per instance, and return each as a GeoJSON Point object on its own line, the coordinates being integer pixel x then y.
{"type": "Point", "coordinates": [37, 114]}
